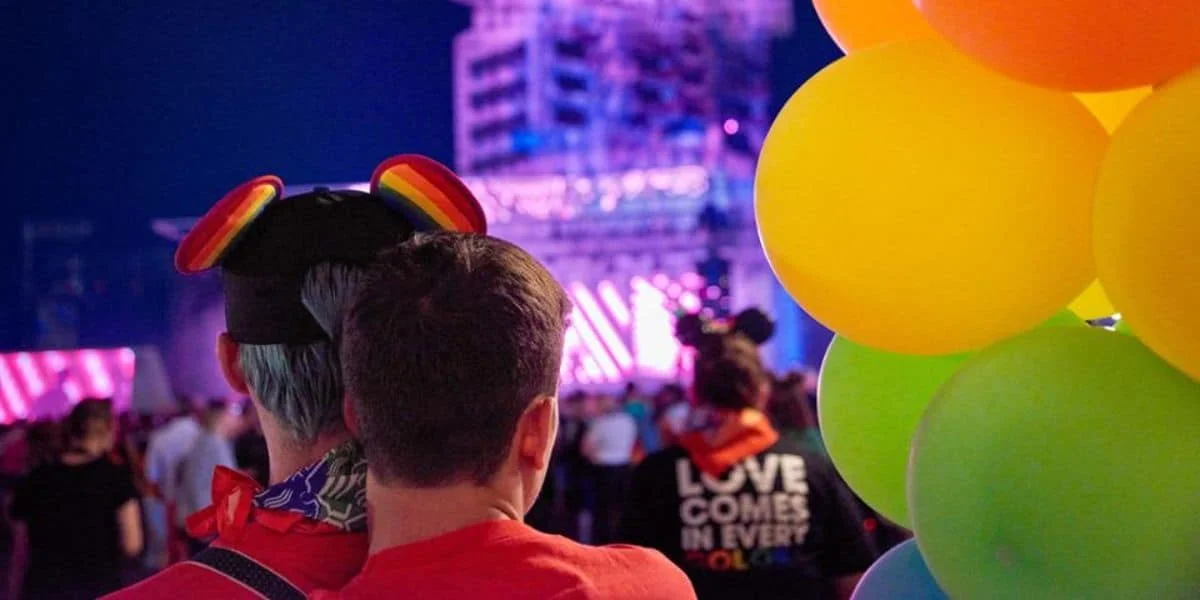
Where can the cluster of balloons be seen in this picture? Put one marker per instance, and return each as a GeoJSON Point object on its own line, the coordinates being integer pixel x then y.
{"type": "Point", "coordinates": [940, 197]}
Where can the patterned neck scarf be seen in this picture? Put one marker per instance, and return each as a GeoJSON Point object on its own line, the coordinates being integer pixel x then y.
{"type": "Point", "coordinates": [332, 490]}
{"type": "Point", "coordinates": [329, 495]}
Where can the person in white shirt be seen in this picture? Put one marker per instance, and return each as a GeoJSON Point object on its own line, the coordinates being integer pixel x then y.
{"type": "Point", "coordinates": [609, 445]}
{"type": "Point", "coordinates": [211, 449]}
{"type": "Point", "coordinates": [164, 451]}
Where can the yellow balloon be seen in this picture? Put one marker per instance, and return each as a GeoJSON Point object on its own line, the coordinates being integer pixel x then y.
{"type": "Point", "coordinates": [1147, 222]}
{"type": "Point", "coordinates": [1111, 107]}
{"type": "Point", "coordinates": [1093, 303]}
{"type": "Point", "coordinates": [916, 202]}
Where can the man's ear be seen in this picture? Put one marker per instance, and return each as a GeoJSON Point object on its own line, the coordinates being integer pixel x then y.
{"type": "Point", "coordinates": [231, 367]}
{"type": "Point", "coordinates": [349, 415]}
{"type": "Point", "coordinates": [538, 430]}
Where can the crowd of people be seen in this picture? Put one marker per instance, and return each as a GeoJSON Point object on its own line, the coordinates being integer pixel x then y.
{"type": "Point", "coordinates": [409, 380]}
{"type": "Point", "coordinates": [166, 464]}
{"type": "Point", "coordinates": [603, 436]}
{"type": "Point", "coordinates": [96, 499]}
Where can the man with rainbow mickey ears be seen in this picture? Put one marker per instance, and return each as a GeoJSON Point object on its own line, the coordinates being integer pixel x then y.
{"type": "Point", "coordinates": [288, 266]}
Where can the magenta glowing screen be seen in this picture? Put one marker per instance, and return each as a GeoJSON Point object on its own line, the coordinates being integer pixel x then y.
{"type": "Point", "coordinates": [625, 329]}
{"type": "Point", "coordinates": [41, 385]}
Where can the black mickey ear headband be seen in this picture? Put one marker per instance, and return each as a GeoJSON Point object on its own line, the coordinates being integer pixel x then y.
{"type": "Point", "coordinates": [426, 193]}
{"type": "Point", "coordinates": [695, 331]}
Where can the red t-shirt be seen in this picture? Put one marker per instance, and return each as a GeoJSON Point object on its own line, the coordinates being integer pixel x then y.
{"type": "Point", "coordinates": [502, 560]}
{"type": "Point", "coordinates": [309, 560]}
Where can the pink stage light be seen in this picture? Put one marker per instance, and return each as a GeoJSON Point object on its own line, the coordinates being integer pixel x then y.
{"type": "Point", "coordinates": [127, 360]}
{"type": "Point", "coordinates": [71, 388]}
{"type": "Point", "coordinates": [614, 303]}
{"type": "Point", "coordinates": [15, 398]}
{"type": "Point", "coordinates": [612, 341]}
{"type": "Point", "coordinates": [654, 330]}
{"type": "Point", "coordinates": [690, 302]}
{"type": "Point", "coordinates": [596, 348]}
{"type": "Point", "coordinates": [661, 281]}
{"type": "Point", "coordinates": [566, 372]}
{"type": "Point", "coordinates": [26, 377]}
{"type": "Point", "coordinates": [633, 183]}
{"type": "Point", "coordinates": [99, 381]}
{"type": "Point", "coordinates": [687, 360]}
{"type": "Point", "coordinates": [592, 369]}
{"type": "Point", "coordinates": [54, 361]}
{"type": "Point", "coordinates": [731, 126]}
{"type": "Point", "coordinates": [14, 402]}
{"type": "Point", "coordinates": [578, 377]}
{"type": "Point", "coordinates": [691, 281]}
{"type": "Point", "coordinates": [34, 384]}
{"type": "Point", "coordinates": [613, 336]}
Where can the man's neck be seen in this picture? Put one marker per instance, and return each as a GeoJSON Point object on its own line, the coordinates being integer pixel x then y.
{"type": "Point", "coordinates": [287, 456]}
{"type": "Point", "coordinates": [402, 515]}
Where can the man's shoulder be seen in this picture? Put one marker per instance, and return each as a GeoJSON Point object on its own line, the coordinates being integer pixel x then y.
{"type": "Point", "coordinates": [575, 571]}
{"type": "Point", "coordinates": [529, 565]}
{"type": "Point", "coordinates": [634, 572]}
{"type": "Point", "coordinates": [306, 561]}
{"type": "Point", "coordinates": [636, 558]}
{"type": "Point", "coordinates": [183, 581]}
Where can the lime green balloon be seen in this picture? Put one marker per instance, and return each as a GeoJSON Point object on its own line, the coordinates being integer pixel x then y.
{"type": "Point", "coordinates": [869, 403]}
{"type": "Point", "coordinates": [1061, 464]}
{"type": "Point", "coordinates": [1122, 326]}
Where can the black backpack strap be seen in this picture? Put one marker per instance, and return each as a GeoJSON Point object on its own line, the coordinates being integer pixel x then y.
{"type": "Point", "coordinates": [248, 572]}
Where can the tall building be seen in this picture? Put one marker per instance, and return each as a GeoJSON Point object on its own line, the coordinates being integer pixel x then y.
{"type": "Point", "coordinates": [577, 87]}
{"type": "Point", "coordinates": [616, 140]}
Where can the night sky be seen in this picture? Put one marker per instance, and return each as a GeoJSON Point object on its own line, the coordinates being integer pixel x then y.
{"type": "Point", "coordinates": [124, 111]}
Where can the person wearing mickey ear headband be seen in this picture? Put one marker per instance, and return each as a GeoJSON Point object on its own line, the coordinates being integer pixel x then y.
{"type": "Point", "coordinates": [288, 267]}
{"type": "Point", "coordinates": [744, 512]}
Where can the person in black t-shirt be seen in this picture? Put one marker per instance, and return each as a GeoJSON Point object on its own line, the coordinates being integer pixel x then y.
{"type": "Point", "coordinates": [793, 413]}
{"type": "Point", "coordinates": [75, 519]}
{"type": "Point", "coordinates": [745, 513]}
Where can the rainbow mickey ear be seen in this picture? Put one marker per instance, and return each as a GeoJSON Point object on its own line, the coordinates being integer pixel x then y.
{"type": "Point", "coordinates": [428, 194]}
{"type": "Point", "coordinates": [212, 237]}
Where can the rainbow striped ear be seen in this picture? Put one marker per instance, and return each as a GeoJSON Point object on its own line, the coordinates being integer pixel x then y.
{"type": "Point", "coordinates": [428, 194]}
{"type": "Point", "coordinates": [212, 237]}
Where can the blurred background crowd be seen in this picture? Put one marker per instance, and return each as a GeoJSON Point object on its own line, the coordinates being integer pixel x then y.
{"type": "Point", "coordinates": [164, 462]}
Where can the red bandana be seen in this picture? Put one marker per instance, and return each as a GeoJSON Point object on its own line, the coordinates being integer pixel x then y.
{"type": "Point", "coordinates": [233, 507]}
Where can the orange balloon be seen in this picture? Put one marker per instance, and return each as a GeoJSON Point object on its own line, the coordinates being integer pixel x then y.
{"type": "Point", "coordinates": [858, 24]}
{"type": "Point", "coordinates": [1075, 45]}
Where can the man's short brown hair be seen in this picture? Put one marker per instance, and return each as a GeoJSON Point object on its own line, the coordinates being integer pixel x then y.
{"type": "Point", "coordinates": [448, 340]}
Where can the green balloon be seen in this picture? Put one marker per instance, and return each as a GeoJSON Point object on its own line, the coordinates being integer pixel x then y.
{"type": "Point", "coordinates": [1122, 326]}
{"type": "Point", "coordinates": [1061, 464]}
{"type": "Point", "coordinates": [869, 403]}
